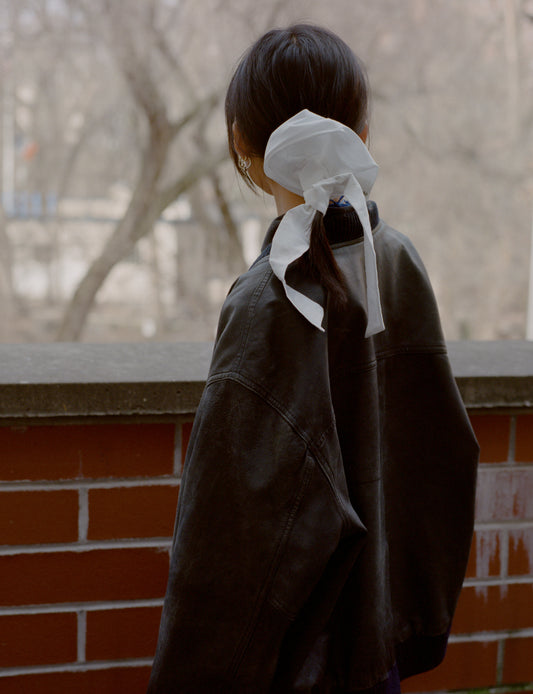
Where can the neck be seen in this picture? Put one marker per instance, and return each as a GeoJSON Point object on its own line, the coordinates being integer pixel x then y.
{"type": "Point", "coordinates": [285, 199]}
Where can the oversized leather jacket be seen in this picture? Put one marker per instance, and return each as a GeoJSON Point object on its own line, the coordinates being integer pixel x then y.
{"type": "Point", "coordinates": [326, 508]}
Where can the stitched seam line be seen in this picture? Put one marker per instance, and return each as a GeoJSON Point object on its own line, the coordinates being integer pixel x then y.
{"type": "Point", "coordinates": [251, 312]}
{"type": "Point", "coordinates": [269, 580]}
{"type": "Point", "coordinates": [269, 399]}
{"type": "Point", "coordinates": [412, 350]}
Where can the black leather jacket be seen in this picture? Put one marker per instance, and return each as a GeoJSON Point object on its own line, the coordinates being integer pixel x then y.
{"type": "Point", "coordinates": [326, 508]}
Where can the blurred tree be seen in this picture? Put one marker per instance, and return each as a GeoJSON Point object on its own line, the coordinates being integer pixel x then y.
{"type": "Point", "coordinates": [135, 35]}
{"type": "Point", "coordinates": [7, 299]}
{"type": "Point", "coordinates": [118, 24]}
{"type": "Point", "coordinates": [129, 92]}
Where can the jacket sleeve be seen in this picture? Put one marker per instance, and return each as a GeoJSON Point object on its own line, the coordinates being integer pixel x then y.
{"type": "Point", "coordinates": [258, 520]}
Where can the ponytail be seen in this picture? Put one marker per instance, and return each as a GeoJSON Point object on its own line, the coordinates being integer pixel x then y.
{"type": "Point", "coordinates": [322, 265]}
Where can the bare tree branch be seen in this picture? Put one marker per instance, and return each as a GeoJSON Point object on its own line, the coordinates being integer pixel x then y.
{"type": "Point", "coordinates": [202, 167]}
{"type": "Point", "coordinates": [141, 84]}
{"type": "Point", "coordinates": [202, 109]}
{"type": "Point", "coordinates": [173, 61]}
{"type": "Point", "coordinates": [143, 211]}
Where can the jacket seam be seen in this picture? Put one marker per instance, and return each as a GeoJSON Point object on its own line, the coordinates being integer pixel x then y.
{"type": "Point", "coordinates": [263, 596]}
{"type": "Point", "coordinates": [259, 289]}
{"type": "Point", "coordinates": [313, 446]}
{"type": "Point", "coordinates": [411, 350]}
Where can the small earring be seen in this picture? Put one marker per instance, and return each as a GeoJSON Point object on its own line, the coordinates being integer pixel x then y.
{"type": "Point", "coordinates": [244, 164]}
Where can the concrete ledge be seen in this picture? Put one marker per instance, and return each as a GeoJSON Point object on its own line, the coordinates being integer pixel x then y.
{"type": "Point", "coordinates": [63, 380]}
{"type": "Point", "coordinates": [79, 380]}
{"type": "Point", "coordinates": [494, 375]}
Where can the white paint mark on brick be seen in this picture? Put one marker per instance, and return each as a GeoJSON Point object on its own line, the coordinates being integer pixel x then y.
{"type": "Point", "coordinates": [505, 494]}
{"type": "Point", "coordinates": [483, 591]}
{"type": "Point", "coordinates": [504, 559]}
{"type": "Point", "coordinates": [522, 536]}
{"type": "Point", "coordinates": [487, 545]}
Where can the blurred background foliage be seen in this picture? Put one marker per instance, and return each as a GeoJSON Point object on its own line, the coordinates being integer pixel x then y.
{"type": "Point", "coordinates": [121, 215]}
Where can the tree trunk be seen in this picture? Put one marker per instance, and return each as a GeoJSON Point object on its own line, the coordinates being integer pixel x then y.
{"type": "Point", "coordinates": [512, 50]}
{"type": "Point", "coordinates": [137, 222]}
{"type": "Point", "coordinates": [155, 272]}
{"type": "Point", "coordinates": [6, 280]}
{"type": "Point", "coordinates": [145, 207]}
{"type": "Point", "coordinates": [233, 251]}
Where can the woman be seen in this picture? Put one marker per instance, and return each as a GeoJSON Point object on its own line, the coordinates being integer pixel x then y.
{"type": "Point", "coordinates": [326, 509]}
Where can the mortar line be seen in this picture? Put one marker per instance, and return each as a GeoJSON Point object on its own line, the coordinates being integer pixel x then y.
{"type": "Point", "coordinates": [512, 440]}
{"type": "Point", "coordinates": [75, 667]}
{"type": "Point", "coordinates": [82, 635]}
{"type": "Point", "coordinates": [511, 524]}
{"type": "Point", "coordinates": [99, 605]}
{"type": "Point", "coordinates": [497, 581]}
{"type": "Point", "coordinates": [83, 514]}
{"type": "Point", "coordinates": [161, 543]}
{"type": "Point", "coordinates": [486, 636]}
{"type": "Point", "coordinates": [499, 661]}
{"type": "Point", "coordinates": [59, 485]}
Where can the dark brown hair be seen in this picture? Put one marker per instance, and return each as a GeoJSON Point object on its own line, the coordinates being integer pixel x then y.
{"type": "Point", "coordinates": [284, 72]}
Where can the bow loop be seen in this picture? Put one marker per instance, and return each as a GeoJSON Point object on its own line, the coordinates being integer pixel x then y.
{"type": "Point", "coordinates": [319, 193]}
{"type": "Point", "coordinates": [319, 158]}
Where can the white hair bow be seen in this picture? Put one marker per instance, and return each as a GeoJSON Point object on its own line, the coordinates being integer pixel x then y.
{"type": "Point", "coordinates": [319, 158]}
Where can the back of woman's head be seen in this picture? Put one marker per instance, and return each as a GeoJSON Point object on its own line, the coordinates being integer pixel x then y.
{"type": "Point", "coordinates": [288, 70]}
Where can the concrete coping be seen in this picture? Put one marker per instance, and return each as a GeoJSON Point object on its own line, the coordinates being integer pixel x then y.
{"type": "Point", "coordinates": [76, 380]}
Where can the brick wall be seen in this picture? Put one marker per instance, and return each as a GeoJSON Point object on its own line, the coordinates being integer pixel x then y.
{"type": "Point", "coordinates": [492, 636]}
{"type": "Point", "coordinates": [86, 516]}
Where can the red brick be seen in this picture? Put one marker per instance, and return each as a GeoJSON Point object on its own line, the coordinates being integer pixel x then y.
{"type": "Point", "coordinates": [117, 634]}
{"type": "Point", "coordinates": [504, 494]}
{"type": "Point", "coordinates": [520, 552]}
{"type": "Point", "coordinates": [39, 516]}
{"type": "Point", "coordinates": [37, 639]}
{"type": "Point", "coordinates": [466, 665]}
{"type": "Point", "coordinates": [96, 450]}
{"type": "Point", "coordinates": [132, 512]}
{"type": "Point", "coordinates": [492, 432]}
{"type": "Point", "coordinates": [133, 680]}
{"type": "Point", "coordinates": [484, 559]}
{"type": "Point", "coordinates": [186, 429]}
{"type": "Point", "coordinates": [524, 439]}
{"type": "Point", "coordinates": [518, 661]}
{"type": "Point", "coordinates": [110, 574]}
{"type": "Point", "coordinates": [494, 607]}
{"type": "Point", "coordinates": [32, 453]}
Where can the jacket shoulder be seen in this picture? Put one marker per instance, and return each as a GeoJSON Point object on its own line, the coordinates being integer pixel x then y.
{"type": "Point", "coordinates": [264, 343]}
{"type": "Point", "coordinates": [259, 327]}
{"type": "Point", "coordinates": [409, 304]}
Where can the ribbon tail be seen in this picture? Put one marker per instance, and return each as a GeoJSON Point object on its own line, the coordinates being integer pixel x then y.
{"type": "Point", "coordinates": [375, 323]}
{"type": "Point", "coordinates": [306, 306]}
{"type": "Point", "coordinates": [290, 242]}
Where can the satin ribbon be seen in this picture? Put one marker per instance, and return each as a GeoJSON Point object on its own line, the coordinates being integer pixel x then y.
{"type": "Point", "coordinates": [319, 158]}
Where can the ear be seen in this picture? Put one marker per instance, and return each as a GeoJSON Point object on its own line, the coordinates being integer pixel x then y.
{"type": "Point", "coordinates": [364, 133]}
{"type": "Point", "coordinates": [238, 140]}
